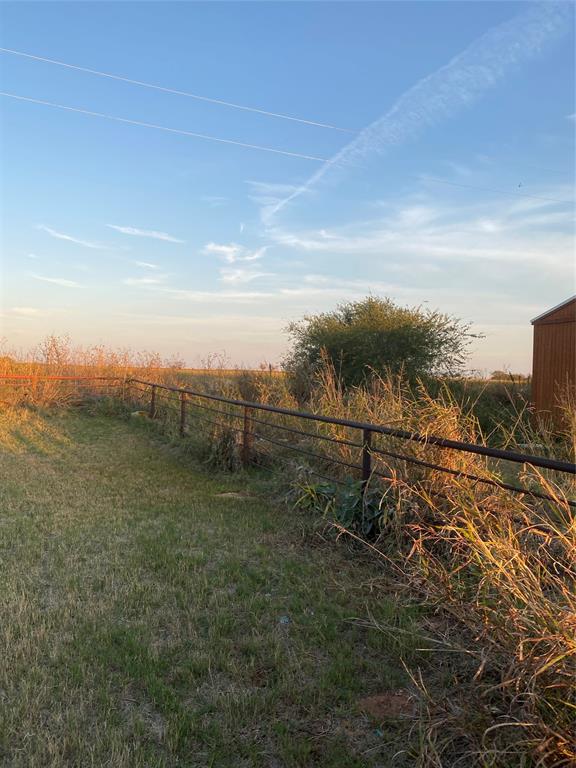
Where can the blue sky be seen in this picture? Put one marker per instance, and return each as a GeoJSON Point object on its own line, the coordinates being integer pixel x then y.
{"type": "Point", "coordinates": [451, 184]}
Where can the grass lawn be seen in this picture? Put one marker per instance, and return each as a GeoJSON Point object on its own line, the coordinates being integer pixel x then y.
{"type": "Point", "coordinates": [148, 620]}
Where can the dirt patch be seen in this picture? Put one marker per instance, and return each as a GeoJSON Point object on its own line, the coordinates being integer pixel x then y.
{"type": "Point", "coordinates": [389, 706]}
{"type": "Point", "coordinates": [136, 708]}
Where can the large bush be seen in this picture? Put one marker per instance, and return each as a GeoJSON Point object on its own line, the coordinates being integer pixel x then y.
{"type": "Point", "coordinates": [376, 335]}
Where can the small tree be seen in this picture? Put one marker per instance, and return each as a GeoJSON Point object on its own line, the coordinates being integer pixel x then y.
{"type": "Point", "coordinates": [376, 335]}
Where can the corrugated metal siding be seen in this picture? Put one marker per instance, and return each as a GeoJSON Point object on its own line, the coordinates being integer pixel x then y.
{"type": "Point", "coordinates": [564, 314]}
{"type": "Point", "coordinates": [554, 359]}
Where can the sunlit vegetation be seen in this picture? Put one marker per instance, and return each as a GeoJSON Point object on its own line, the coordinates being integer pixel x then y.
{"type": "Point", "coordinates": [486, 576]}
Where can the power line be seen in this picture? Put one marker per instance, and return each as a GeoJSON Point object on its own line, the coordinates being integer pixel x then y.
{"type": "Point", "coordinates": [491, 189]}
{"type": "Point", "coordinates": [164, 128]}
{"type": "Point", "coordinates": [177, 92]}
{"type": "Point", "coordinates": [261, 148]}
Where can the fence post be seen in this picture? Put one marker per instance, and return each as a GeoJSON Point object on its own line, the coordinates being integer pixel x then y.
{"type": "Point", "coordinates": [182, 413]}
{"type": "Point", "coordinates": [125, 384]}
{"type": "Point", "coordinates": [153, 402]}
{"type": "Point", "coordinates": [247, 437]}
{"type": "Point", "coordinates": [366, 458]}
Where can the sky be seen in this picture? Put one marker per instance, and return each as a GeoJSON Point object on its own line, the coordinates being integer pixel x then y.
{"type": "Point", "coordinates": [423, 151]}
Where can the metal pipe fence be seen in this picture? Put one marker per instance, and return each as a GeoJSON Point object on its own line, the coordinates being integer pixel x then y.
{"type": "Point", "coordinates": [365, 449]}
{"type": "Point", "coordinates": [239, 417]}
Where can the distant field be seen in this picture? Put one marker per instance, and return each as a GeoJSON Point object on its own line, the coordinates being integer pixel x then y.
{"type": "Point", "coordinates": [23, 368]}
{"type": "Point", "coordinates": [231, 371]}
{"type": "Point", "coordinates": [154, 616]}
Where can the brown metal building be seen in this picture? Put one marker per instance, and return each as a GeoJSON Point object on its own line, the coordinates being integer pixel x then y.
{"type": "Point", "coordinates": [554, 357]}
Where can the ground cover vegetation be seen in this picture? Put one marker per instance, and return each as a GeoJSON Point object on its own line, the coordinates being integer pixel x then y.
{"type": "Point", "coordinates": [154, 614]}
{"type": "Point", "coordinates": [492, 572]}
{"type": "Point", "coordinates": [496, 568]}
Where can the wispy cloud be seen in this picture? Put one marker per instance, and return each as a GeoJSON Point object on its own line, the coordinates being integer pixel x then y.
{"type": "Point", "coordinates": [232, 252]}
{"type": "Point", "coordinates": [338, 290]}
{"type": "Point", "coordinates": [143, 281]}
{"type": "Point", "coordinates": [146, 265]}
{"type": "Point", "coordinates": [330, 290]}
{"type": "Point", "coordinates": [510, 232]}
{"type": "Point", "coordinates": [456, 85]}
{"type": "Point", "coordinates": [154, 234]}
{"type": "Point", "coordinates": [228, 252]}
{"type": "Point", "coordinates": [218, 297]}
{"type": "Point", "coordinates": [57, 281]}
{"type": "Point", "coordinates": [214, 201]}
{"type": "Point", "coordinates": [271, 196]}
{"type": "Point", "coordinates": [229, 275]}
{"type": "Point", "coordinates": [69, 238]}
{"type": "Point", "coordinates": [26, 311]}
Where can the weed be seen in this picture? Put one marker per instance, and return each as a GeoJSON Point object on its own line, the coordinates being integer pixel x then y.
{"type": "Point", "coordinates": [365, 511]}
{"type": "Point", "coordinates": [223, 451]}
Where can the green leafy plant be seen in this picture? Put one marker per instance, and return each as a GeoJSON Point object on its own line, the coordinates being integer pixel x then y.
{"type": "Point", "coordinates": [365, 511]}
{"type": "Point", "coordinates": [358, 509]}
{"type": "Point", "coordinates": [313, 497]}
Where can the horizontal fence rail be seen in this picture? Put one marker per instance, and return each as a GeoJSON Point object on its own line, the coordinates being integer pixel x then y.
{"type": "Point", "coordinates": [39, 388]}
{"type": "Point", "coordinates": [243, 423]}
{"type": "Point", "coordinates": [42, 377]}
{"type": "Point", "coordinates": [252, 423]}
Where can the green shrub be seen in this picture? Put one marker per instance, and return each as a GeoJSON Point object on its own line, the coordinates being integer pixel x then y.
{"type": "Point", "coordinates": [375, 335]}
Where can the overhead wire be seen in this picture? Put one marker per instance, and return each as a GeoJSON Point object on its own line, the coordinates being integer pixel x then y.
{"type": "Point", "coordinates": [180, 131]}
{"type": "Point", "coordinates": [244, 107]}
{"type": "Point", "coordinates": [177, 91]}
{"type": "Point", "coordinates": [262, 148]}
{"type": "Point", "coordinates": [434, 179]}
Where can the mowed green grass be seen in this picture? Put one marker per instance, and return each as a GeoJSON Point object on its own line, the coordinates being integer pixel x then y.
{"type": "Point", "coordinates": [146, 620]}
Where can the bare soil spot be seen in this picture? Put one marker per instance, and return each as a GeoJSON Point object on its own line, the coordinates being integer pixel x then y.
{"type": "Point", "coordinates": [136, 707]}
{"type": "Point", "coordinates": [389, 706]}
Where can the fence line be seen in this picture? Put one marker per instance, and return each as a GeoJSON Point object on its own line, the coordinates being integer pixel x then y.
{"type": "Point", "coordinates": [185, 399]}
{"type": "Point", "coordinates": [41, 377]}
{"type": "Point", "coordinates": [483, 450]}
{"type": "Point", "coordinates": [368, 431]}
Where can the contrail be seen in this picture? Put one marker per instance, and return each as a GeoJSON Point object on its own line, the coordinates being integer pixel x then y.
{"type": "Point", "coordinates": [454, 86]}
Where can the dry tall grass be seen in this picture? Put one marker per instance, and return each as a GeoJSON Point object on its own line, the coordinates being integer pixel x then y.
{"type": "Point", "coordinates": [501, 564]}
{"type": "Point", "coordinates": [504, 569]}
{"type": "Point", "coordinates": [56, 356]}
